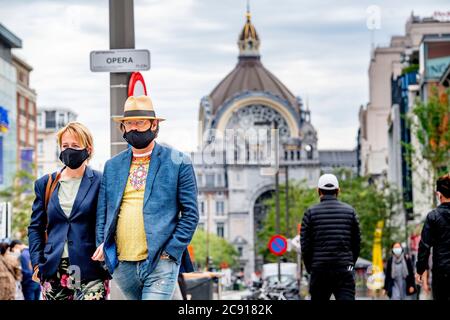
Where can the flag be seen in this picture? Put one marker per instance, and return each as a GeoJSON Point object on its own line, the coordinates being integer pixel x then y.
{"type": "Point", "coordinates": [376, 279]}
{"type": "Point", "coordinates": [4, 122]}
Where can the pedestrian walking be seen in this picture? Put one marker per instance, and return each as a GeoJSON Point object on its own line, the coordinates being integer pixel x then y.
{"type": "Point", "coordinates": [147, 209]}
{"type": "Point", "coordinates": [399, 281]}
{"type": "Point", "coordinates": [62, 228]}
{"type": "Point", "coordinates": [436, 237]}
{"type": "Point", "coordinates": [10, 273]}
{"type": "Point", "coordinates": [31, 290]}
{"type": "Point", "coordinates": [330, 240]}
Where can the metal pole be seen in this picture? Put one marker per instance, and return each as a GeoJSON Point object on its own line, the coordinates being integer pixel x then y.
{"type": "Point", "coordinates": [121, 36]}
{"type": "Point", "coordinates": [287, 202]}
{"type": "Point", "coordinates": [207, 232]}
{"type": "Point", "coordinates": [299, 264]}
{"type": "Point", "coordinates": [277, 201]}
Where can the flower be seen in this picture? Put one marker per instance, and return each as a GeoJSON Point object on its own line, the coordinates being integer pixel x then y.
{"type": "Point", "coordinates": [89, 296]}
{"type": "Point", "coordinates": [63, 280]}
{"type": "Point", "coordinates": [46, 287]}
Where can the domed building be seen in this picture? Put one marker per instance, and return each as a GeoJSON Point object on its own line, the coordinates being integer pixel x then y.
{"type": "Point", "coordinates": [232, 169]}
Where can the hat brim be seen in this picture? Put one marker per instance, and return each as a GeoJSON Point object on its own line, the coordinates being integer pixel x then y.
{"type": "Point", "coordinates": [120, 118]}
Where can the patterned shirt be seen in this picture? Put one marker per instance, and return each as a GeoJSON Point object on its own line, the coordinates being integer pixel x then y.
{"type": "Point", "coordinates": [130, 233]}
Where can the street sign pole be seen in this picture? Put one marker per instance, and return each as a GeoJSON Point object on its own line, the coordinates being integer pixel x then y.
{"type": "Point", "coordinates": [277, 200]}
{"type": "Point", "coordinates": [286, 170]}
{"type": "Point", "coordinates": [121, 36]}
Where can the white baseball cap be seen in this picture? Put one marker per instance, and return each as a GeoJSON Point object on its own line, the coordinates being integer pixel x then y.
{"type": "Point", "coordinates": [328, 181]}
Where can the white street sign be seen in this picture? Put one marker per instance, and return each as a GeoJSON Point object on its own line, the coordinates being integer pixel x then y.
{"type": "Point", "coordinates": [296, 243]}
{"type": "Point", "coordinates": [120, 60]}
{"type": "Point", "coordinates": [5, 220]}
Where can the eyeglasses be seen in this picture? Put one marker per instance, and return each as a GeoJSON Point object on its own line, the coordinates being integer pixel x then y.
{"type": "Point", "coordinates": [138, 123]}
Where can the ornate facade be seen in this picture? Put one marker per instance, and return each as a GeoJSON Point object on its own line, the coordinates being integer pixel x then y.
{"type": "Point", "coordinates": [232, 186]}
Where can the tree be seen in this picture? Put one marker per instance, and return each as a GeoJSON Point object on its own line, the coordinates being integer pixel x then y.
{"type": "Point", "coordinates": [21, 196]}
{"type": "Point", "coordinates": [371, 203]}
{"type": "Point", "coordinates": [429, 122]}
{"type": "Point", "coordinates": [220, 250]}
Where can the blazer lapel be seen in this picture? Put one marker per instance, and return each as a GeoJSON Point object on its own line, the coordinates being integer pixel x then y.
{"type": "Point", "coordinates": [85, 185]}
{"type": "Point", "coordinates": [122, 177]}
{"type": "Point", "coordinates": [54, 201]}
{"type": "Point", "coordinates": [152, 171]}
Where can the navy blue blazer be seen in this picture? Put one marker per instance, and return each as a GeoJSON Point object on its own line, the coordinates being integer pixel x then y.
{"type": "Point", "coordinates": [78, 229]}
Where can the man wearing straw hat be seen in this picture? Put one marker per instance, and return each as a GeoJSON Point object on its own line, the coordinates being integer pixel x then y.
{"type": "Point", "coordinates": [147, 209]}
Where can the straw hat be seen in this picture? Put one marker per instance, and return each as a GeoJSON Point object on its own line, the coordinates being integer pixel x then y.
{"type": "Point", "coordinates": [140, 107]}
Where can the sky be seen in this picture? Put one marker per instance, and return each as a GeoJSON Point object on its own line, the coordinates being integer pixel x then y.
{"type": "Point", "coordinates": [319, 49]}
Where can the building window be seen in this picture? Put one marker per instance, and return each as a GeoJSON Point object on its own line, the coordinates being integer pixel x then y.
{"type": "Point", "coordinates": [220, 230]}
{"type": "Point", "coordinates": [292, 155]}
{"type": "Point", "coordinates": [240, 251]}
{"type": "Point", "coordinates": [40, 147]}
{"type": "Point", "coordinates": [219, 180]}
{"type": "Point", "coordinates": [40, 124]}
{"type": "Point", "coordinates": [23, 134]}
{"type": "Point", "coordinates": [202, 208]}
{"type": "Point", "coordinates": [309, 152]}
{"type": "Point", "coordinates": [298, 155]}
{"type": "Point", "coordinates": [50, 119]}
{"type": "Point", "coordinates": [61, 120]}
{"type": "Point", "coordinates": [210, 180]}
{"type": "Point", "coordinates": [219, 208]}
{"type": "Point", "coordinates": [200, 180]}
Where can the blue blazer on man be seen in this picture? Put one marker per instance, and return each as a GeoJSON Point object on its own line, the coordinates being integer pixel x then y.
{"type": "Point", "coordinates": [78, 229]}
{"type": "Point", "coordinates": [170, 205]}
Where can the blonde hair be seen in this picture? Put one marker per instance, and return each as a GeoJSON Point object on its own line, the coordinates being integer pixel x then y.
{"type": "Point", "coordinates": [81, 132]}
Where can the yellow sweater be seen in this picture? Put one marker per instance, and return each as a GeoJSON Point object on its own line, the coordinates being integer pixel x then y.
{"type": "Point", "coordinates": [130, 233]}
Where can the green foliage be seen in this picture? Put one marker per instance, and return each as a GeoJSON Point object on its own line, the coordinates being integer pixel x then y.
{"type": "Point", "coordinates": [21, 196]}
{"type": "Point", "coordinates": [429, 122]}
{"type": "Point", "coordinates": [411, 68]}
{"type": "Point", "coordinates": [220, 250]}
{"type": "Point", "coordinates": [371, 203]}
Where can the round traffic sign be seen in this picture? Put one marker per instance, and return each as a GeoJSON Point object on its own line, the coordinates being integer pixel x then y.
{"type": "Point", "coordinates": [278, 245]}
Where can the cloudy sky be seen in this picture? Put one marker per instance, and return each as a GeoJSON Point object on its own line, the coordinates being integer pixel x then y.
{"type": "Point", "coordinates": [319, 49]}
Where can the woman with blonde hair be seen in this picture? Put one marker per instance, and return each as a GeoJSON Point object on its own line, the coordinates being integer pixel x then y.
{"type": "Point", "coordinates": [62, 228]}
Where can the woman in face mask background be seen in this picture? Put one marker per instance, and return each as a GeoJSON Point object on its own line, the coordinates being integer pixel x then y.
{"type": "Point", "coordinates": [399, 282]}
{"type": "Point", "coordinates": [62, 236]}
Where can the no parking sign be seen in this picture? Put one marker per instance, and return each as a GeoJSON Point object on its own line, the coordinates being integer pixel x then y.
{"type": "Point", "coordinates": [278, 245]}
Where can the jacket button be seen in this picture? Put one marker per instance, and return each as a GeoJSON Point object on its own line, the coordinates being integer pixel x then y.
{"type": "Point", "coordinates": [70, 242]}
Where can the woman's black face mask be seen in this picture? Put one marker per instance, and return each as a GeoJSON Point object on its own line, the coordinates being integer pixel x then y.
{"type": "Point", "coordinates": [73, 158]}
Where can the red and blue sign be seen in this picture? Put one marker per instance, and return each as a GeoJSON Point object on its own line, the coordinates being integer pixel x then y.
{"type": "Point", "coordinates": [278, 245]}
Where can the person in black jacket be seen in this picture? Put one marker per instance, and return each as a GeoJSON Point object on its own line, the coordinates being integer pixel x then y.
{"type": "Point", "coordinates": [330, 242]}
{"type": "Point", "coordinates": [399, 275]}
{"type": "Point", "coordinates": [436, 235]}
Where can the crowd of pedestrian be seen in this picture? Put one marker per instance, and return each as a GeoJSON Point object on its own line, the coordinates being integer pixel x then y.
{"type": "Point", "coordinates": [16, 272]}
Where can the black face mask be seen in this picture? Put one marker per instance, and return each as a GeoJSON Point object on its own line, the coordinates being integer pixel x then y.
{"type": "Point", "coordinates": [139, 139]}
{"type": "Point", "coordinates": [73, 158]}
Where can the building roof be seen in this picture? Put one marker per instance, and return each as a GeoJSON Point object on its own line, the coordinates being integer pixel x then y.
{"type": "Point", "coordinates": [22, 62]}
{"type": "Point", "coordinates": [249, 73]}
{"type": "Point", "coordinates": [9, 38]}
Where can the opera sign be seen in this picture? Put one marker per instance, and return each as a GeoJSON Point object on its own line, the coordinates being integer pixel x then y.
{"type": "Point", "coordinates": [120, 60]}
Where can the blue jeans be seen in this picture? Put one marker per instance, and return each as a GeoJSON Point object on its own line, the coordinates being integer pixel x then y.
{"type": "Point", "coordinates": [31, 291]}
{"type": "Point", "coordinates": [137, 283]}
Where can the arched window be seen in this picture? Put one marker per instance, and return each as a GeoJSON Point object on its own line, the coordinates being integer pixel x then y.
{"type": "Point", "coordinates": [309, 151]}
